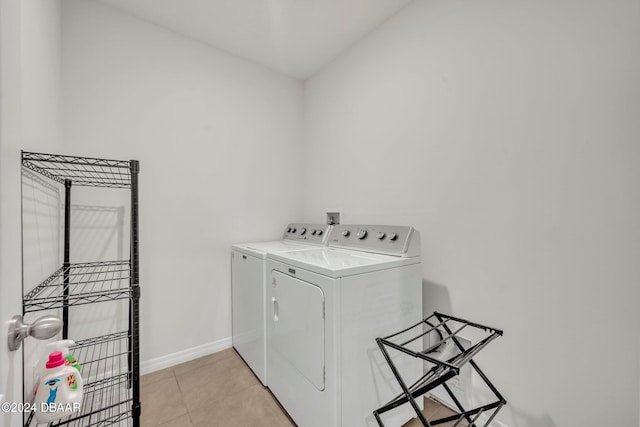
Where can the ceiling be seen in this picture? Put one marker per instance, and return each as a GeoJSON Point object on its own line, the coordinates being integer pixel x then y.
{"type": "Point", "coordinates": [294, 37]}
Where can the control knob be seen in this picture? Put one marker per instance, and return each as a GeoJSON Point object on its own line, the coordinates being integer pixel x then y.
{"type": "Point", "coordinates": [319, 232]}
{"type": "Point", "coordinates": [362, 234]}
{"type": "Point", "coordinates": [302, 231]}
{"type": "Point", "coordinates": [380, 235]}
{"type": "Point", "coordinates": [346, 233]}
{"type": "Point", "coordinates": [393, 236]}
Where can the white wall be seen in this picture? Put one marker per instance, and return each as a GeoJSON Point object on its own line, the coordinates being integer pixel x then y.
{"type": "Point", "coordinates": [507, 133]}
{"type": "Point", "coordinates": [40, 74]}
{"type": "Point", "coordinates": [29, 120]}
{"type": "Point", "coordinates": [218, 141]}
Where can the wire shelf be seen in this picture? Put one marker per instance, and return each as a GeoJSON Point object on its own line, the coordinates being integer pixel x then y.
{"type": "Point", "coordinates": [110, 364]}
{"type": "Point", "coordinates": [82, 171]}
{"type": "Point", "coordinates": [444, 332]}
{"type": "Point", "coordinates": [107, 393]}
{"type": "Point", "coordinates": [79, 284]}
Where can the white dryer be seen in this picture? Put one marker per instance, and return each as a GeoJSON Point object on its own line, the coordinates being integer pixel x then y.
{"type": "Point", "coordinates": [326, 308]}
{"type": "Point", "coordinates": [248, 289]}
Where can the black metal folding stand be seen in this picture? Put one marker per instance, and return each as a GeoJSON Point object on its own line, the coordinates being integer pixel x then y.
{"type": "Point", "coordinates": [442, 330]}
{"type": "Point", "coordinates": [110, 363]}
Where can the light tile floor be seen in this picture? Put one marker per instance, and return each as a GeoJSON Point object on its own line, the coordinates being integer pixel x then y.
{"type": "Point", "coordinates": [220, 390]}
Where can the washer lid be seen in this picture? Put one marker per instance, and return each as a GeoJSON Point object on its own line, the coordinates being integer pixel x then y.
{"type": "Point", "coordinates": [340, 262]}
{"type": "Point", "coordinates": [261, 249]}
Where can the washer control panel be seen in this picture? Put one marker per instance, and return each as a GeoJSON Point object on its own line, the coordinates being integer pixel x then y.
{"type": "Point", "coordinates": [308, 233]}
{"type": "Point", "coordinates": [385, 239]}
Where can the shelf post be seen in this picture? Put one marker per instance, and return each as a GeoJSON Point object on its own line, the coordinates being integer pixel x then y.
{"type": "Point", "coordinates": [66, 263]}
{"type": "Point", "coordinates": [134, 311]}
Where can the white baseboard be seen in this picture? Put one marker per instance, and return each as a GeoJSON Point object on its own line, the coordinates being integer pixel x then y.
{"type": "Point", "coordinates": [173, 359]}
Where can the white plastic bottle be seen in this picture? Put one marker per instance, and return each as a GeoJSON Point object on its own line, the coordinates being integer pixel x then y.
{"type": "Point", "coordinates": [61, 346]}
{"type": "Point", "coordinates": [59, 391]}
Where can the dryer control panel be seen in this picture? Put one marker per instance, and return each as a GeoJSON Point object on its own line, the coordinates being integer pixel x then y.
{"type": "Point", "coordinates": [308, 233]}
{"type": "Point", "coordinates": [395, 240]}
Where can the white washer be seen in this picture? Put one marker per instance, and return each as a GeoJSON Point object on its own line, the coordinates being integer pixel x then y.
{"type": "Point", "coordinates": [248, 289]}
{"type": "Point", "coordinates": [326, 308]}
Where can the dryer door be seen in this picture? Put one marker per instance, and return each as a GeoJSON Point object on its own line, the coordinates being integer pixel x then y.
{"type": "Point", "coordinates": [297, 334]}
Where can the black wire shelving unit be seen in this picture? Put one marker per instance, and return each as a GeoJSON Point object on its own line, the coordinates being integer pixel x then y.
{"type": "Point", "coordinates": [442, 330]}
{"type": "Point", "coordinates": [110, 364]}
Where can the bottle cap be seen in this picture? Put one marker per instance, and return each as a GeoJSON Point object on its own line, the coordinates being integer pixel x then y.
{"type": "Point", "coordinates": [55, 360]}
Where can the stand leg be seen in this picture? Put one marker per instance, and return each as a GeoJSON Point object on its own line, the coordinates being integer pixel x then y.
{"type": "Point", "coordinates": [405, 390]}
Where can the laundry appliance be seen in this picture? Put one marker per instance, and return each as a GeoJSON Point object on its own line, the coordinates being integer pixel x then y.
{"type": "Point", "coordinates": [248, 289]}
{"type": "Point", "coordinates": [327, 306]}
